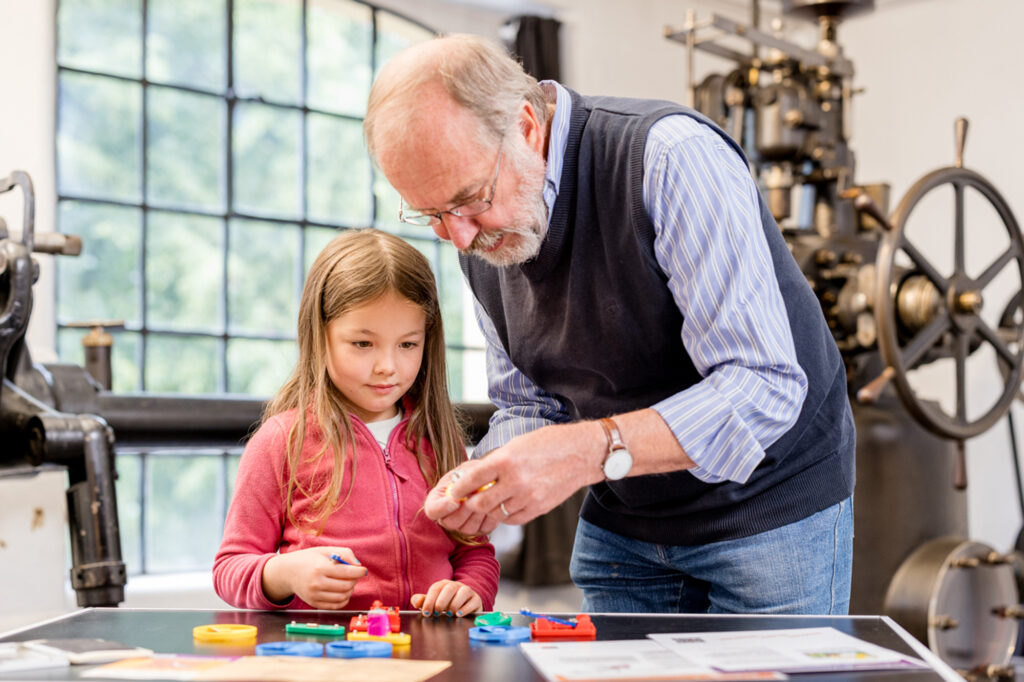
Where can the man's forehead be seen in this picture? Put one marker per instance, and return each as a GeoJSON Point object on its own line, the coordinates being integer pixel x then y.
{"type": "Point", "coordinates": [430, 117]}
{"type": "Point", "coordinates": [434, 159]}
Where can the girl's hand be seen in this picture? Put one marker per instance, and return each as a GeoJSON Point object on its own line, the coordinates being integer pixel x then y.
{"type": "Point", "coordinates": [312, 576]}
{"type": "Point", "coordinates": [448, 596]}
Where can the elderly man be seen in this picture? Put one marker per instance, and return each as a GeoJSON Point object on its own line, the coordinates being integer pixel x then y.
{"type": "Point", "coordinates": [648, 334]}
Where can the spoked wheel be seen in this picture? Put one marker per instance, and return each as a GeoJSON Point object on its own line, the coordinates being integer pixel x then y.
{"type": "Point", "coordinates": [1010, 324]}
{"type": "Point", "coordinates": [919, 311]}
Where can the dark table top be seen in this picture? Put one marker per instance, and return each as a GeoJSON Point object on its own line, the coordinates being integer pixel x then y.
{"type": "Point", "coordinates": [170, 631]}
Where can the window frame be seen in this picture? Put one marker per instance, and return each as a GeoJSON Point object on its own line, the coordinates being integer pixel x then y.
{"type": "Point", "coordinates": [144, 331]}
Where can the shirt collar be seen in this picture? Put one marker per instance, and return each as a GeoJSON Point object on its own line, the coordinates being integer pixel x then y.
{"type": "Point", "coordinates": [557, 139]}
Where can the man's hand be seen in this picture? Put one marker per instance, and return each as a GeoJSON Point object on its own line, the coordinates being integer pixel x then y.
{"type": "Point", "coordinates": [313, 576]}
{"type": "Point", "coordinates": [533, 474]}
{"type": "Point", "coordinates": [444, 507]}
{"type": "Point", "coordinates": [448, 596]}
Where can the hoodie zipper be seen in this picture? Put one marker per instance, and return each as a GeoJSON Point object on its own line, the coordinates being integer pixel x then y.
{"type": "Point", "coordinates": [392, 479]}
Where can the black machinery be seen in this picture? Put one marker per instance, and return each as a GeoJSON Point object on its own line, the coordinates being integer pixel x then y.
{"type": "Point", "coordinates": [61, 414]}
{"type": "Point", "coordinates": [899, 305]}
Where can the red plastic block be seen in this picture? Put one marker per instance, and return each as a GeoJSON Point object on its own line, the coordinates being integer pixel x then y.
{"type": "Point", "coordinates": [546, 629]}
{"type": "Point", "coordinates": [361, 624]}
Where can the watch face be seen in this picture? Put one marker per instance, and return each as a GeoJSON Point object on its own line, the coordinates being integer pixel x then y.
{"type": "Point", "coordinates": [618, 464]}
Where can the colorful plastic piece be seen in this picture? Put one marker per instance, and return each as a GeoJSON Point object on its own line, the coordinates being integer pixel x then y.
{"type": "Point", "coordinates": [499, 634]}
{"type": "Point", "coordinates": [320, 629]}
{"type": "Point", "coordinates": [361, 622]}
{"type": "Point", "coordinates": [377, 623]}
{"type": "Point", "coordinates": [485, 486]}
{"type": "Point", "coordinates": [345, 649]}
{"type": "Point", "coordinates": [396, 638]}
{"type": "Point", "coordinates": [311, 649]}
{"type": "Point", "coordinates": [563, 621]}
{"type": "Point", "coordinates": [542, 628]}
{"type": "Point", "coordinates": [224, 633]}
{"type": "Point", "coordinates": [493, 618]}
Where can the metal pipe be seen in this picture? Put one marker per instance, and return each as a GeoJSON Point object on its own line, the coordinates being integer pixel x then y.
{"type": "Point", "coordinates": [147, 420]}
{"type": "Point", "coordinates": [98, 573]}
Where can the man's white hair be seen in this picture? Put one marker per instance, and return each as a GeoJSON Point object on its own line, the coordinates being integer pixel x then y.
{"type": "Point", "coordinates": [476, 73]}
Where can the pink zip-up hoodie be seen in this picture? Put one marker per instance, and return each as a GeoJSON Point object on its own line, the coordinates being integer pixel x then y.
{"type": "Point", "coordinates": [382, 522]}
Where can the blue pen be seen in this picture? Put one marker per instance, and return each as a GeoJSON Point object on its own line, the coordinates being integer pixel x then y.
{"type": "Point", "coordinates": [340, 560]}
{"type": "Point", "coordinates": [560, 621]}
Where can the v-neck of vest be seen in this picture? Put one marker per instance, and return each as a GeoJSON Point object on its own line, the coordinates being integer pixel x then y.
{"type": "Point", "coordinates": [558, 226]}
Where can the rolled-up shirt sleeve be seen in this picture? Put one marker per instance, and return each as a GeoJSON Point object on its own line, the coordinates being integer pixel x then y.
{"type": "Point", "coordinates": [710, 244]}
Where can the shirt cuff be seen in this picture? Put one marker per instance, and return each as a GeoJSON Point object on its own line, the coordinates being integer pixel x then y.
{"type": "Point", "coordinates": [712, 435]}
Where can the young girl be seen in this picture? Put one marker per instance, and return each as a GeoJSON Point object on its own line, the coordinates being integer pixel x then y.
{"type": "Point", "coordinates": [327, 508]}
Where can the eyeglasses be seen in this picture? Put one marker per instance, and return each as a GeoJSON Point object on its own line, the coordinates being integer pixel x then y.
{"type": "Point", "coordinates": [466, 210]}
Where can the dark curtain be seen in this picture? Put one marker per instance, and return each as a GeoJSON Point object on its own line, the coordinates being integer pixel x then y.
{"type": "Point", "coordinates": [536, 45]}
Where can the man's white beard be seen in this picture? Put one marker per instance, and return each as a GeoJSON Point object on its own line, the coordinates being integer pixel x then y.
{"type": "Point", "coordinates": [524, 235]}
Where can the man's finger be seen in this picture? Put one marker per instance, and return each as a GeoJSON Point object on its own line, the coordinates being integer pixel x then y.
{"type": "Point", "coordinates": [438, 506]}
{"type": "Point", "coordinates": [470, 478]}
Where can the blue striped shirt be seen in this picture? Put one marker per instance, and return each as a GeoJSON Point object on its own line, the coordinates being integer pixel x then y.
{"type": "Point", "coordinates": [709, 242]}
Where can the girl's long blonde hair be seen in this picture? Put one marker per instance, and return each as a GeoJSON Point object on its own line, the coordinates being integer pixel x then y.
{"type": "Point", "coordinates": [358, 267]}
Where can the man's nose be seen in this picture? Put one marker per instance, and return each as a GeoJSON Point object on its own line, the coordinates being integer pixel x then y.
{"type": "Point", "coordinates": [458, 230]}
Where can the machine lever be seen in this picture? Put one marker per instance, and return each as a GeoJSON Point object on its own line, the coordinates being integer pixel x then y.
{"type": "Point", "coordinates": [53, 243]}
{"type": "Point", "coordinates": [1012, 611]}
{"type": "Point", "coordinates": [960, 468]}
{"type": "Point", "coordinates": [997, 559]}
{"type": "Point", "coordinates": [864, 203]}
{"type": "Point", "coordinates": [869, 392]}
{"type": "Point", "coordinates": [961, 139]}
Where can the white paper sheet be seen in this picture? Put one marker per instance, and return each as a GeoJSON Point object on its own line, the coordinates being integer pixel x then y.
{"type": "Point", "coordinates": [790, 651]}
{"type": "Point", "coordinates": [634, 660]}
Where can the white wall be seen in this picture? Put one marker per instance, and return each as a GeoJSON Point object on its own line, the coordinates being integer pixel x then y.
{"type": "Point", "coordinates": [27, 95]}
{"type": "Point", "coordinates": [923, 64]}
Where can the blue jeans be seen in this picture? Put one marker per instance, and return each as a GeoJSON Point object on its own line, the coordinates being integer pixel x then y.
{"type": "Point", "coordinates": [803, 568]}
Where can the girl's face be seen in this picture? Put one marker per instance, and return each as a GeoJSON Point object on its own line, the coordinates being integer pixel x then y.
{"type": "Point", "coordinates": [374, 353]}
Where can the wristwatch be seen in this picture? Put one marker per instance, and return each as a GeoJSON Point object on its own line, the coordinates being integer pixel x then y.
{"type": "Point", "coordinates": [618, 461]}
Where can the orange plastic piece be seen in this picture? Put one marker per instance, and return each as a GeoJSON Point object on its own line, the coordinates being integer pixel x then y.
{"type": "Point", "coordinates": [360, 623]}
{"type": "Point", "coordinates": [546, 629]}
{"type": "Point", "coordinates": [485, 486]}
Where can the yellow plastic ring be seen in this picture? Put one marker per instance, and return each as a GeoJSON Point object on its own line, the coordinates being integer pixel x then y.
{"type": "Point", "coordinates": [226, 632]}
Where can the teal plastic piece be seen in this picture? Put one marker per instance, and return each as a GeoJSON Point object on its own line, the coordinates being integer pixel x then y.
{"type": "Point", "coordinates": [493, 618]}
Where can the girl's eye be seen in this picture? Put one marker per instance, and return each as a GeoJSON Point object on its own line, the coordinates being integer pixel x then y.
{"type": "Point", "coordinates": [361, 344]}
{"type": "Point", "coordinates": [409, 344]}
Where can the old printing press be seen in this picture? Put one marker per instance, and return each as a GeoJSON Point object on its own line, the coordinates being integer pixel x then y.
{"type": "Point", "coordinates": [902, 300]}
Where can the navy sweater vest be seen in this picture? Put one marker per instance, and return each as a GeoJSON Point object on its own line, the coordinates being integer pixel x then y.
{"type": "Point", "coordinates": [591, 321]}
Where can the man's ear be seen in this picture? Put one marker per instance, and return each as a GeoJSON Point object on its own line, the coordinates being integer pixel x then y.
{"type": "Point", "coordinates": [531, 127]}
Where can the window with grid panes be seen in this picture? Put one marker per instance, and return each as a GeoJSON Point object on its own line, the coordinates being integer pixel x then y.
{"type": "Point", "coordinates": [206, 151]}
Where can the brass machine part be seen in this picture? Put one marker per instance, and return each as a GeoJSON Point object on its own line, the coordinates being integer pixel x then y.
{"type": "Point", "coordinates": [949, 593]}
{"type": "Point", "coordinates": [989, 672]}
{"type": "Point", "coordinates": [1012, 611]}
{"type": "Point", "coordinates": [98, 344]}
{"type": "Point", "coordinates": [918, 302]}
